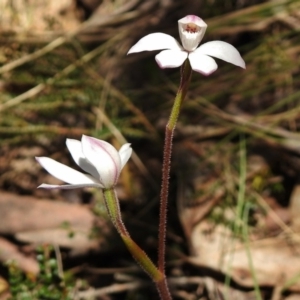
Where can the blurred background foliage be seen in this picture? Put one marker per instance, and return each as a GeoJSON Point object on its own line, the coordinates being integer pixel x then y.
{"type": "Point", "coordinates": [51, 90]}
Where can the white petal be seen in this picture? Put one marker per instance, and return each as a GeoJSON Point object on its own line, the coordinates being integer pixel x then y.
{"type": "Point", "coordinates": [125, 153]}
{"type": "Point", "coordinates": [104, 157]}
{"type": "Point", "coordinates": [155, 41]}
{"type": "Point", "coordinates": [171, 58]}
{"type": "Point", "coordinates": [68, 186]}
{"type": "Point", "coordinates": [202, 63]}
{"type": "Point", "coordinates": [224, 51]}
{"type": "Point", "coordinates": [65, 173]}
{"type": "Point", "coordinates": [75, 149]}
{"type": "Point", "coordinates": [191, 30]}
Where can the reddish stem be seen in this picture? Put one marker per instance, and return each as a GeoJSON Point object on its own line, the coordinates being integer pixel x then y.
{"type": "Point", "coordinates": [186, 73]}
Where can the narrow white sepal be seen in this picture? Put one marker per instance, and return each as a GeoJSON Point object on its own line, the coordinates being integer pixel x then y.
{"type": "Point", "coordinates": [125, 153]}
{"type": "Point", "coordinates": [68, 186]}
{"type": "Point", "coordinates": [155, 41]}
{"type": "Point", "coordinates": [224, 51]}
{"type": "Point", "coordinates": [65, 173]}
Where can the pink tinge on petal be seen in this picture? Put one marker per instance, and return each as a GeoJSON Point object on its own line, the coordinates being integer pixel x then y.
{"type": "Point", "coordinates": [104, 157]}
{"type": "Point", "coordinates": [224, 51]}
{"type": "Point", "coordinates": [155, 41]}
{"type": "Point", "coordinates": [171, 58]}
{"type": "Point", "coordinates": [192, 19]}
{"type": "Point", "coordinates": [202, 63]}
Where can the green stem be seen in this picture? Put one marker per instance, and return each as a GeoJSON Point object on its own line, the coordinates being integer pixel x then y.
{"type": "Point", "coordinates": [113, 209]}
{"type": "Point", "coordinates": [186, 73]}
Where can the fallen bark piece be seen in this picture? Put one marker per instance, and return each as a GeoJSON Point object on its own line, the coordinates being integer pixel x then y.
{"type": "Point", "coordinates": [10, 252]}
{"type": "Point", "coordinates": [40, 221]}
{"type": "Point", "coordinates": [75, 239]}
{"type": "Point", "coordinates": [274, 259]}
{"type": "Point", "coordinates": [25, 213]}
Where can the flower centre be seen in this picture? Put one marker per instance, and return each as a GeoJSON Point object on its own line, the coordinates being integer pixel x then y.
{"type": "Point", "coordinates": [191, 27]}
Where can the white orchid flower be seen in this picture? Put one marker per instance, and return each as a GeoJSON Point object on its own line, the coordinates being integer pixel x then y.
{"type": "Point", "coordinates": [191, 31]}
{"type": "Point", "coordinates": [96, 157]}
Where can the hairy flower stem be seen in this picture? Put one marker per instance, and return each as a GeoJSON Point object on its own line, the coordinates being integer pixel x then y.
{"type": "Point", "coordinates": [113, 209]}
{"type": "Point", "coordinates": [186, 74]}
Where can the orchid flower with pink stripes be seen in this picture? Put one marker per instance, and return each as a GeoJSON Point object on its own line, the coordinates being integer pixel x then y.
{"type": "Point", "coordinates": [191, 31]}
{"type": "Point", "coordinates": [99, 159]}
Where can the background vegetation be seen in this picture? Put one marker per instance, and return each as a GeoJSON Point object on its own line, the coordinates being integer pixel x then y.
{"type": "Point", "coordinates": [234, 210]}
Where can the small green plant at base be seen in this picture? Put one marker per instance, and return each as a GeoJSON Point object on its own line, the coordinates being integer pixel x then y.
{"type": "Point", "coordinates": [49, 284]}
